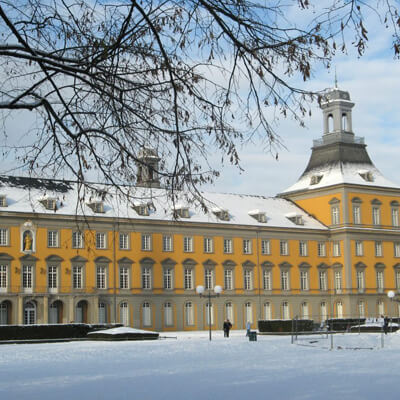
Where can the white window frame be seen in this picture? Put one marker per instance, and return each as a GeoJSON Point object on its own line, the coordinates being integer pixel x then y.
{"type": "Point", "coordinates": [267, 279]}
{"type": "Point", "coordinates": [323, 311]}
{"type": "Point", "coordinates": [208, 278]}
{"type": "Point", "coordinates": [356, 214]}
{"type": "Point", "coordinates": [304, 310]}
{"type": "Point", "coordinates": [321, 248]}
{"type": "Point", "coordinates": [360, 274]}
{"type": "Point", "coordinates": [146, 277]}
{"type": "Point", "coordinates": [380, 280]}
{"type": "Point", "coordinates": [146, 314]}
{"type": "Point", "coordinates": [265, 247]}
{"type": "Point", "coordinates": [101, 240]}
{"type": "Point", "coordinates": [4, 236]}
{"type": "Point", "coordinates": [361, 309]}
{"type": "Point", "coordinates": [52, 278]}
{"type": "Point", "coordinates": [267, 311]}
{"type": "Point", "coordinates": [323, 280]}
{"type": "Point", "coordinates": [77, 240]}
{"type": "Point", "coordinates": [336, 248]}
{"type": "Point", "coordinates": [124, 241]}
{"type": "Point", "coordinates": [188, 244]}
{"type": "Point", "coordinates": [303, 248]}
{"type": "Point", "coordinates": [284, 248]}
{"type": "Point", "coordinates": [168, 278]}
{"type": "Point", "coordinates": [376, 215]}
{"type": "Point", "coordinates": [339, 309]}
{"type": "Point", "coordinates": [335, 211]}
{"type": "Point", "coordinates": [359, 248]}
{"type": "Point", "coordinates": [168, 314]}
{"type": "Point", "coordinates": [229, 314]}
{"type": "Point", "coordinates": [189, 314]}
{"type": "Point", "coordinates": [397, 277]}
{"type": "Point", "coordinates": [228, 246]}
{"type": "Point", "coordinates": [208, 245]}
{"type": "Point", "coordinates": [124, 313]}
{"type": "Point", "coordinates": [338, 281]}
{"type": "Point", "coordinates": [304, 280]}
{"type": "Point", "coordinates": [167, 243]}
{"type": "Point", "coordinates": [248, 312]}
{"type": "Point", "coordinates": [248, 279]}
{"type": "Point", "coordinates": [52, 238]}
{"type": "Point", "coordinates": [228, 279]}
{"type": "Point", "coordinates": [27, 278]}
{"type": "Point", "coordinates": [395, 216]}
{"type": "Point", "coordinates": [3, 277]}
{"type": "Point", "coordinates": [77, 277]}
{"type": "Point", "coordinates": [101, 277]}
{"type": "Point", "coordinates": [396, 249]}
{"type": "Point", "coordinates": [208, 313]}
{"type": "Point", "coordinates": [146, 242]}
{"type": "Point", "coordinates": [124, 272]}
{"type": "Point", "coordinates": [285, 280]}
{"type": "Point", "coordinates": [188, 278]}
{"type": "Point", "coordinates": [247, 246]}
{"type": "Point", "coordinates": [378, 248]}
{"type": "Point", "coordinates": [285, 310]}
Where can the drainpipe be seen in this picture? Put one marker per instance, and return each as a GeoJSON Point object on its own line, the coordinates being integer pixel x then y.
{"type": "Point", "coordinates": [115, 275]}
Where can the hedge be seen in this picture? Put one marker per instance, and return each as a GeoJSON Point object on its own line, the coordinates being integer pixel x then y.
{"type": "Point", "coordinates": [285, 325]}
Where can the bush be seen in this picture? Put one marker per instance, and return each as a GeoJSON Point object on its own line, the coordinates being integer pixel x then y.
{"type": "Point", "coordinates": [53, 331]}
{"type": "Point", "coordinates": [285, 325]}
{"type": "Point", "coordinates": [343, 324]}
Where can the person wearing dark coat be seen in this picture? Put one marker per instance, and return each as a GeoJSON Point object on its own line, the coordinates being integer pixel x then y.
{"type": "Point", "coordinates": [386, 324]}
{"type": "Point", "coordinates": [227, 326]}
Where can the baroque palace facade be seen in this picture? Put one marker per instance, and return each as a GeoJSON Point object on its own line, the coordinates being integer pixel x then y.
{"type": "Point", "coordinates": [328, 246]}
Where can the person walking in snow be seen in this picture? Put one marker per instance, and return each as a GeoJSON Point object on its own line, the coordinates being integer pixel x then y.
{"type": "Point", "coordinates": [248, 327]}
{"type": "Point", "coordinates": [386, 324]}
{"type": "Point", "coordinates": [227, 327]}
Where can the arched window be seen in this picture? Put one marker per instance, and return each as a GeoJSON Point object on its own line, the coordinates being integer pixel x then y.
{"type": "Point", "coordinates": [344, 122]}
{"type": "Point", "coordinates": [55, 312]}
{"type": "Point", "coordinates": [146, 314]}
{"type": "Point", "coordinates": [304, 310]}
{"type": "Point", "coordinates": [285, 310]}
{"type": "Point", "coordinates": [189, 318]}
{"type": "Point", "coordinates": [30, 313]}
{"type": "Point", "coordinates": [339, 309]}
{"type": "Point", "coordinates": [229, 311]}
{"type": "Point", "coordinates": [124, 313]}
{"type": "Point", "coordinates": [4, 312]}
{"type": "Point", "coordinates": [381, 308]}
{"type": "Point", "coordinates": [102, 313]}
{"type": "Point", "coordinates": [323, 311]}
{"type": "Point", "coordinates": [361, 309]}
{"type": "Point", "coordinates": [248, 312]}
{"type": "Point", "coordinates": [267, 311]}
{"type": "Point", "coordinates": [330, 123]}
{"type": "Point", "coordinates": [168, 315]}
{"type": "Point", "coordinates": [209, 314]}
{"type": "Point", "coordinates": [81, 312]}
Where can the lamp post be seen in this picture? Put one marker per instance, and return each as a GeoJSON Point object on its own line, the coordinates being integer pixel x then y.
{"type": "Point", "coordinates": [208, 294]}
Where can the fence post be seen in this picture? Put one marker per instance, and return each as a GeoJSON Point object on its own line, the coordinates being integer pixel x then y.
{"type": "Point", "coordinates": [292, 330]}
{"type": "Point", "coordinates": [382, 339]}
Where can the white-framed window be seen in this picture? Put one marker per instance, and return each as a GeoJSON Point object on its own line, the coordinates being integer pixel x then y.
{"type": "Point", "coordinates": [77, 277]}
{"type": "Point", "coordinates": [356, 214]}
{"type": "Point", "coordinates": [3, 237]}
{"type": "Point", "coordinates": [167, 242]}
{"type": "Point", "coordinates": [27, 278]}
{"type": "Point", "coordinates": [208, 278]}
{"type": "Point", "coordinates": [336, 248]}
{"type": "Point", "coordinates": [189, 313]}
{"type": "Point", "coordinates": [52, 238]}
{"type": "Point", "coordinates": [267, 279]}
{"type": "Point", "coordinates": [361, 309]}
{"type": "Point", "coordinates": [378, 249]}
{"type": "Point", "coordinates": [77, 240]}
{"type": "Point", "coordinates": [338, 281]}
{"type": "Point", "coordinates": [323, 280]}
{"type": "Point", "coordinates": [124, 313]}
{"type": "Point", "coordinates": [228, 246]}
{"type": "Point", "coordinates": [380, 280]}
{"type": "Point", "coordinates": [101, 274]}
{"type": "Point", "coordinates": [398, 279]}
{"type": "Point", "coordinates": [285, 310]}
{"type": "Point", "coordinates": [208, 245]}
{"type": "Point", "coordinates": [167, 278]}
{"type": "Point", "coordinates": [188, 278]}
{"type": "Point", "coordinates": [3, 201]}
{"type": "Point", "coordinates": [3, 277]}
{"type": "Point", "coordinates": [123, 277]}
{"type": "Point", "coordinates": [303, 248]}
{"type": "Point", "coordinates": [248, 279]}
{"type": "Point", "coordinates": [304, 310]}
{"type": "Point", "coordinates": [323, 311]}
{"type": "Point", "coordinates": [146, 242]}
{"type": "Point", "coordinates": [335, 215]}
{"type": "Point", "coordinates": [52, 279]}
{"type": "Point", "coordinates": [146, 278]}
{"type": "Point", "coordinates": [321, 249]}
{"type": "Point", "coordinates": [304, 280]}
{"type": "Point", "coordinates": [360, 280]}
{"type": "Point", "coordinates": [229, 312]}
{"type": "Point", "coordinates": [381, 307]}
{"type": "Point", "coordinates": [395, 216]}
{"type": "Point", "coordinates": [247, 248]}
{"type": "Point", "coordinates": [168, 314]}
{"type": "Point", "coordinates": [339, 309]}
{"type": "Point", "coordinates": [102, 312]}
{"type": "Point", "coordinates": [30, 313]}
{"type": "Point", "coordinates": [396, 246]}
{"type": "Point", "coordinates": [101, 240]}
{"type": "Point", "coordinates": [284, 248]}
{"type": "Point", "coordinates": [146, 314]}
{"type": "Point", "coordinates": [376, 215]}
{"type": "Point", "coordinates": [123, 241]}
{"type": "Point", "coordinates": [248, 312]}
{"type": "Point", "coordinates": [228, 279]}
{"type": "Point", "coordinates": [267, 311]}
{"type": "Point", "coordinates": [265, 246]}
{"type": "Point", "coordinates": [359, 248]}
{"type": "Point", "coordinates": [285, 284]}
{"type": "Point", "coordinates": [209, 314]}
{"type": "Point", "coordinates": [188, 244]}
{"type": "Point", "coordinates": [4, 311]}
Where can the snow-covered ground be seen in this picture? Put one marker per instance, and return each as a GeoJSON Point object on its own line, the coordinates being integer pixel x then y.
{"type": "Point", "coordinates": [190, 367]}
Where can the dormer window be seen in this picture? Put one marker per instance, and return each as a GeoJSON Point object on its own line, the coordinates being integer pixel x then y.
{"type": "Point", "coordinates": [49, 203]}
{"type": "Point", "coordinates": [315, 179]}
{"type": "Point", "coordinates": [223, 215]}
{"type": "Point", "coordinates": [181, 212]}
{"type": "Point", "coordinates": [295, 218]}
{"type": "Point", "coordinates": [142, 209]}
{"type": "Point", "coordinates": [97, 207]}
{"type": "Point", "coordinates": [3, 200]}
{"type": "Point", "coordinates": [366, 175]}
{"type": "Point", "coordinates": [258, 215]}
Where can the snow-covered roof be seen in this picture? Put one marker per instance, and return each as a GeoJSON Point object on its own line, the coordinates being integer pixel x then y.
{"type": "Point", "coordinates": [24, 196]}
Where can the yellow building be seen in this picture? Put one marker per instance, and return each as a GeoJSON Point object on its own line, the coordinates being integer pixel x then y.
{"type": "Point", "coordinates": [328, 246]}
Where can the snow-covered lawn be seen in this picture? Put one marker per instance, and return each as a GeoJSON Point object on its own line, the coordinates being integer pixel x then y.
{"type": "Point", "coordinates": [191, 367]}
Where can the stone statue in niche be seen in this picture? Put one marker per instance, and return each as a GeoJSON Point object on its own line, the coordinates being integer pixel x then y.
{"type": "Point", "coordinates": [27, 237]}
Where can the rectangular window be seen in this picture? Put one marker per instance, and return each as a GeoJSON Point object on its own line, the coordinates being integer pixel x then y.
{"type": "Point", "coordinates": [146, 242]}
{"type": "Point", "coordinates": [3, 277]}
{"type": "Point", "coordinates": [101, 240]}
{"type": "Point", "coordinates": [396, 249]}
{"type": "Point", "coordinates": [361, 309]}
{"type": "Point", "coordinates": [285, 280]}
{"type": "Point", "coordinates": [265, 247]}
{"type": "Point", "coordinates": [101, 277]}
{"type": "Point", "coordinates": [335, 215]}
{"type": "Point", "coordinates": [188, 279]}
{"type": "Point", "coordinates": [168, 314]}
{"type": "Point", "coordinates": [209, 314]}
{"type": "Point", "coordinates": [208, 279]}
{"type": "Point", "coordinates": [248, 281]}
{"type": "Point", "coordinates": [338, 281]}
{"type": "Point", "coordinates": [379, 280]}
{"type": "Point", "coordinates": [303, 280]}
{"type": "Point", "coordinates": [124, 241]}
{"type": "Point", "coordinates": [378, 249]}
{"type": "Point", "coordinates": [188, 244]}
{"type": "Point", "coordinates": [167, 278]}
{"type": "Point", "coordinates": [336, 249]}
{"type": "Point", "coordinates": [360, 280]}
{"type": "Point", "coordinates": [228, 246]}
{"type": "Point", "coordinates": [247, 246]}
{"type": "Point", "coordinates": [77, 277]}
{"type": "Point", "coordinates": [323, 281]}
{"type": "Point", "coordinates": [167, 243]}
{"type": "Point", "coordinates": [356, 214]}
{"type": "Point", "coordinates": [284, 248]}
{"type": "Point", "coordinates": [208, 245]}
{"type": "Point", "coordinates": [77, 240]}
{"type": "Point", "coordinates": [376, 216]}
{"type": "Point", "coordinates": [189, 314]}
{"type": "Point", "coordinates": [146, 278]}
{"type": "Point", "coordinates": [27, 277]}
{"type": "Point", "coordinates": [321, 249]}
{"type": "Point", "coordinates": [395, 216]}
{"type": "Point", "coordinates": [267, 280]}
{"type": "Point", "coordinates": [52, 277]}
{"type": "Point", "coordinates": [398, 280]}
{"type": "Point", "coordinates": [52, 238]}
{"type": "Point", "coordinates": [228, 279]}
{"type": "Point", "coordinates": [303, 251]}
{"type": "Point", "coordinates": [285, 310]}
{"type": "Point", "coordinates": [359, 248]}
{"type": "Point", "coordinates": [3, 237]}
{"type": "Point", "coordinates": [267, 311]}
{"type": "Point", "coordinates": [124, 277]}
